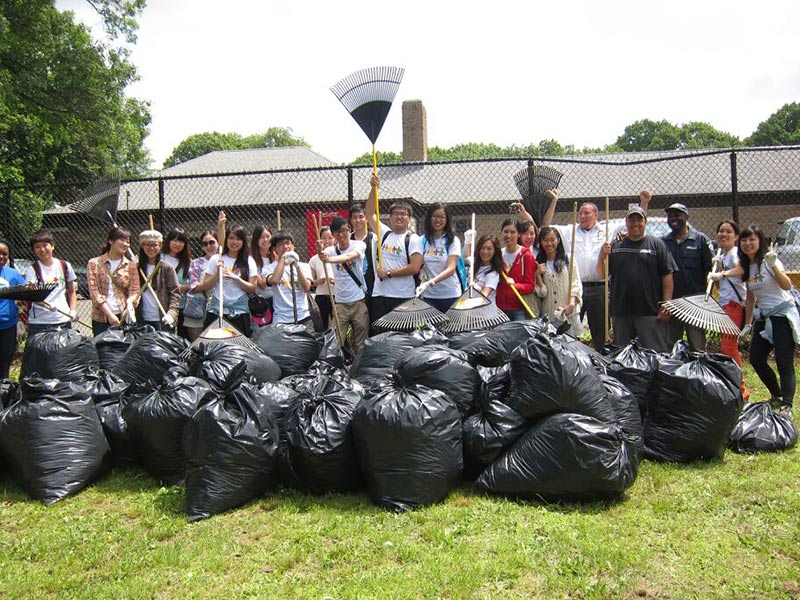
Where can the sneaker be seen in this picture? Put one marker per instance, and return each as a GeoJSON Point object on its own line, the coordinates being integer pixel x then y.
{"type": "Point", "coordinates": [786, 411]}
{"type": "Point", "coordinates": [776, 403]}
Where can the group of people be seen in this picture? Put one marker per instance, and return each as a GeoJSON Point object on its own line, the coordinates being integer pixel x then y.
{"type": "Point", "coordinates": [368, 268]}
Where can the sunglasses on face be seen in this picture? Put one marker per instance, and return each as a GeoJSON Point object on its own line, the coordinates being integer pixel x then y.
{"type": "Point", "coordinates": [208, 243]}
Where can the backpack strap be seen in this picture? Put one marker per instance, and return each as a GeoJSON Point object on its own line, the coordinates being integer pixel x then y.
{"type": "Point", "coordinates": [347, 268]}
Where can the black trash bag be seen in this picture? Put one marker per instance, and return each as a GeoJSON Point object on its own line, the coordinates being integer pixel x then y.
{"type": "Point", "coordinates": [494, 348]}
{"type": "Point", "coordinates": [564, 457]}
{"type": "Point", "coordinates": [680, 351]}
{"type": "Point", "coordinates": [760, 429]}
{"type": "Point", "coordinates": [214, 361]}
{"type": "Point", "coordinates": [322, 453]}
{"type": "Point", "coordinates": [113, 343]}
{"type": "Point", "coordinates": [319, 369]}
{"type": "Point", "coordinates": [231, 446]}
{"type": "Point", "coordinates": [279, 398]}
{"type": "Point", "coordinates": [52, 439]}
{"type": "Point", "coordinates": [109, 396]}
{"type": "Point", "coordinates": [694, 408]}
{"type": "Point", "coordinates": [635, 367]}
{"type": "Point", "coordinates": [156, 421]}
{"type": "Point", "coordinates": [62, 354]}
{"type": "Point", "coordinates": [626, 408]}
{"type": "Point", "coordinates": [495, 427]}
{"type": "Point", "coordinates": [261, 368]}
{"type": "Point", "coordinates": [293, 347]}
{"type": "Point", "coordinates": [444, 369]}
{"type": "Point", "coordinates": [409, 445]}
{"type": "Point", "coordinates": [9, 392]}
{"type": "Point", "coordinates": [150, 356]}
{"type": "Point", "coordinates": [332, 352]}
{"type": "Point", "coordinates": [549, 377]}
{"type": "Point", "coordinates": [380, 352]}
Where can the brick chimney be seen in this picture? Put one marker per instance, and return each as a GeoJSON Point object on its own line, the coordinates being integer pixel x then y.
{"type": "Point", "coordinates": [415, 131]}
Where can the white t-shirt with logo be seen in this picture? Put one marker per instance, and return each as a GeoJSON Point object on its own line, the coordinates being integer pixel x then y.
{"type": "Point", "coordinates": [486, 277]}
{"type": "Point", "coordinates": [729, 286]}
{"type": "Point", "coordinates": [393, 249]}
{"type": "Point", "coordinates": [346, 289]}
{"type": "Point", "coordinates": [435, 255]}
{"type": "Point", "coordinates": [111, 297]}
{"type": "Point", "coordinates": [230, 289]}
{"type": "Point", "coordinates": [267, 291]}
{"type": "Point", "coordinates": [282, 303]}
{"type": "Point", "coordinates": [57, 298]}
{"type": "Point", "coordinates": [765, 287]}
{"type": "Point", "coordinates": [150, 310]}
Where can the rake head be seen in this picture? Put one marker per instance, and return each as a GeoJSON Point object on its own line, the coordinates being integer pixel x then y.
{"type": "Point", "coordinates": [532, 183]}
{"type": "Point", "coordinates": [368, 95]}
{"type": "Point", "coordinates": [410, 316]}
{"type": "Point", "coordinates": [224, 333]}
{"type": "Point", "coordinates": [472, 312]}
{"type": "Point", "coordinates": [100, 200]}
{"type": "Point", "coordinates": [703, 312]}
{"type": "Point", "coordinates": [28, 292]}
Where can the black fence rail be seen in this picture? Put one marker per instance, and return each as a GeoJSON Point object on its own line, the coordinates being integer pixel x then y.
{"type": "Point", "coordinates": [754, 185]}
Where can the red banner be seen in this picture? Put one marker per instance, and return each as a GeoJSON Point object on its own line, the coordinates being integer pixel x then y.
{"type": "Point", "coordinates": [328, 215]}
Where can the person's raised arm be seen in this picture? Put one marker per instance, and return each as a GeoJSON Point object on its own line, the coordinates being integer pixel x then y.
{"type": "Point", "coordinates": [370, 208]}
{"type": "Point", "coordinates": [547, 218]}
{"type": "Point", "coordinates": [645, 196]}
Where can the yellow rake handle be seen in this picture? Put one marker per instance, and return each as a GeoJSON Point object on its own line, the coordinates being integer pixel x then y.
{"type": "Point", "coordinates": [519, 296]}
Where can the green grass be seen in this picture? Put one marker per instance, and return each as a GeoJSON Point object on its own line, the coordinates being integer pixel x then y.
{"type": "Point", "coordinates": [719, 530]}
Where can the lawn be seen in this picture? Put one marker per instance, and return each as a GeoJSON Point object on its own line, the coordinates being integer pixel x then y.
{"type": "Point", "coordinates": [719, 530]}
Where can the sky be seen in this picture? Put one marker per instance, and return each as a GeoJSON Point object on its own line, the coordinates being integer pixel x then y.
{"type": "Point", "coordinates": [502, 72]}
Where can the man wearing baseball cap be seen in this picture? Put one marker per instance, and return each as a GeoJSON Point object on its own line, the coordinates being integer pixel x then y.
{"type": "Point", "coordinates": [692, 252]}
{"type": "Point", "coordinates": [641, 270]}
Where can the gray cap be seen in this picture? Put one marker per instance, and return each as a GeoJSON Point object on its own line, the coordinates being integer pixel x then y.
{"type": "Point", "coordinates": [677, 206]}
{"type": "Point", "coordinates": [636, 210]}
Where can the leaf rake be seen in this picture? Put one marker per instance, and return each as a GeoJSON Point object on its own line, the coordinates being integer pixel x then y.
{"type": "Point", "coordinates": [410, 316]}
{"type": "Point", "coordinates": [532, 183]}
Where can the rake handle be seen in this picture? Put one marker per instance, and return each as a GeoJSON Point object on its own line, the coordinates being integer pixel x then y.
{"type": "Point", "coordinates": [519, 296]}
{"type": "Point", "coordinates": [377, 207]}
{"type": "Point", "coordinates": [605, 282]}
{"type": "Point", "coordinates": [711, 281]}
{"type": "Point", "coordinates": [335, 311]}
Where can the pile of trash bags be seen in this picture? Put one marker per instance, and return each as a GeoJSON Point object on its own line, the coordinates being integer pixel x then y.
{"type": "Point", "coordinates": [521, 411]}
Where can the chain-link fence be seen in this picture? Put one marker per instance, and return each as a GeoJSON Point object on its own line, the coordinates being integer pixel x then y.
{"type": "Point", "coordinates": [748, 185]}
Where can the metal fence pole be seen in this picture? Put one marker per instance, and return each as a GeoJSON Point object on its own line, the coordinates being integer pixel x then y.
{"type": "Point", "coordinates": [734, 187]}
{"type": "Point", "coordinates": [7, 212]}
{"type": "Point", "coordinates": [161, 205]}
{"type": "Point", "coordinates": [350, 186]}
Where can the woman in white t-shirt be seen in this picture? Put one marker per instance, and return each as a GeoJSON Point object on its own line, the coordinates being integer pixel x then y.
{"type": "Point", "coordinates": [727, 272]}
{"type": "Point", "coordinates": [194, 313]}
{"type": "Point", "coordinates": [440, 251]}
{"type": "Point", "coordinates": [771, 311]}
{"type": "Point", "coordinates": [179, 255]}
{"type": "Point", "coordinates": [239, 274]}
{"type": "Point", "coordinates": [323, 293]}
{"type": "Point", "coordinates": [48, 269]}
{"type": "Point", "coordinates": [264, 255]}
{"type": "Point", "coordinates": [488, 261]}
{"type": "Point", "coordinates": [291, 282]}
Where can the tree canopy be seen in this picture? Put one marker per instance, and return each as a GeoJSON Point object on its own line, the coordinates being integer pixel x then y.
{"type": "Point", "coordinates": [199, 144]}
{"type": "Point", "coordinates": [648, 135]}
{"type": "Point", "coordinates": [780, 129]}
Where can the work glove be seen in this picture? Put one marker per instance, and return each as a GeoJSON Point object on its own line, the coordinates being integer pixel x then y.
{"type": "Point", "coordinates": [715, 276]}
{"type": "Point", "coordinates": [771, 258]}
{"type": "Point", "coordinates": [469, 237]}
{"type": "Point", "coordinates": [168, 321]}
{"type": "Point", "coordinates": [715, 260]}
{"type": "Point", "coordinates": [424, 286]}
{"type": "Point", "coordinates": [130, 306]}
{"type": "Point", "coordinates": [558, 313]}
{"type": "Point", "coordinates": [745, 331]}
{"type": "Point", "coordinates": [290, 257]}
{"type": "Point", "coordinates": [73, 315]}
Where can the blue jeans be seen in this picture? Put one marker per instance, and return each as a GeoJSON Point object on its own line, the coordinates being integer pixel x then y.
{"type": "Point", "coordinates": [517, 315]}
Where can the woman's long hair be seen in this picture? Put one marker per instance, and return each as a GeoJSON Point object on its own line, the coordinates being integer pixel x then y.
{"type": "Point", "coordinates": [255, 251]}
{"type": "Point", "coordinates": [241, 258]}
{"type": "Point", "coordinates": [744, 260]}
{"type": "Point", "coordinates": [116, 233]}
{"type": "Point", "coordinates": [449, 234]}
{"type": "Point", "coordinates": [185, 255]}
{"type": "Point", "coordinates": [496, 263]}
{"type": "Point", "coordinates": [561, 255]}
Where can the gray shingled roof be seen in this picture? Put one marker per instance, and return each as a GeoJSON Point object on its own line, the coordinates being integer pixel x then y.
{"type": "Point", "coordinates": [585, 176]}
{"type": "Point", "coordinates": [256, 159]}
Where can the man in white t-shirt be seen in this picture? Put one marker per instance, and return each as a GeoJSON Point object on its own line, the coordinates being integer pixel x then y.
{"type": "Point", "coordinates": [346, 258]}
{"type": "Point", "coordinates": [400, 258]}
{"type": "Point", "coordinates": [291, 281]}
{"type": "Point", "coordinates": [63, 300]}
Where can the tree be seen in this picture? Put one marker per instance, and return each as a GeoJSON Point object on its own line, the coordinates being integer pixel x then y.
{"type": "Point", "coordinates": [199, 144]}
{"type": "Point", "coordinates": [647, 135]}
{"type": "Point", "coordinates": [62, 99]}
{"type": "Point", "coordinates": [780, 129]}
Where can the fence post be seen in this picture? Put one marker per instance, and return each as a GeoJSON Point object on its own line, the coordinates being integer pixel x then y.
{"type": "Point", "coordinates": [161, 204]}
{"type": "Point", "coordinates": [734, 187]}
{"type": "Point", "coordinates": [7, 212]}
{"type": "Point", "coordinates": [350, 199]}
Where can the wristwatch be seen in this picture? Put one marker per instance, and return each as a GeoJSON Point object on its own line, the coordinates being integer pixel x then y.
{"type": "Point", "coordinates": [388, 274]}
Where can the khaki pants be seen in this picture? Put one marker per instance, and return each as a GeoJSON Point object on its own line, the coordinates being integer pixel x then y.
{"type": "Point", "coordinates": [354, 314]}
